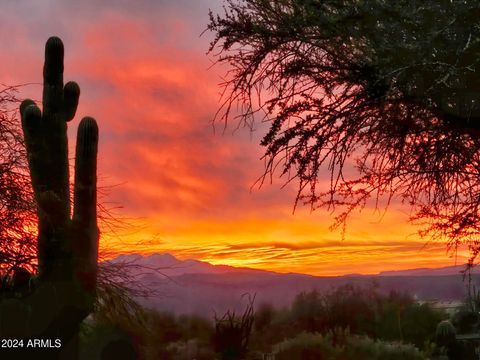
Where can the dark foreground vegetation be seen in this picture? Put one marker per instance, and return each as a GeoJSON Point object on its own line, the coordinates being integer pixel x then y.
{"type": "Point", "coordinates": [347, 322]}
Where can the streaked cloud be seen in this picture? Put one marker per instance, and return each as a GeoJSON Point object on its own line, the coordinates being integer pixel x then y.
{"type": "Point", "coordinates": [186, 188]}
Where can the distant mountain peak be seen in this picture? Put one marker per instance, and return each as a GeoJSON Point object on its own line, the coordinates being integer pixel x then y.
{"type": "Point", "coordinates": [161, 255]}
{"type": "Point", "coordinates": [165, 257]}
{"type": "Point", "coordinates": [195, 286]}
{"type": "Point", "coordinates": [172, 266]}
{"type": "Point", "coordinates": [441, 271]}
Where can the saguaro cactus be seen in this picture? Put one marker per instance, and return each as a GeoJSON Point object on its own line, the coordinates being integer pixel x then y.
{"type": "Point", "coordinates": [64, 291]}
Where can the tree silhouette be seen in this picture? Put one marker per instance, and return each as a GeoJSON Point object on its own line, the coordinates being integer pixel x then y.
{"type": "Point", "coordinates": [232, 332]}
{"type": "Point", "coordinates": [377, 98]}
{"type": "Point", "coordinates": [17, 209]}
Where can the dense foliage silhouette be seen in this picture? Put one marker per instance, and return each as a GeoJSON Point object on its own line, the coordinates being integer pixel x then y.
{"type": "Point", "coordinates": [375, 98]}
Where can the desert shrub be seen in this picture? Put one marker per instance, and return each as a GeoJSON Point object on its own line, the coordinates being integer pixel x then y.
{"type": "Point", "coordinates": [364, 311]}
{"type": "Point", "coordinates": [310, 346]}
{"type": "Point", "coordinates": [232, 334]}
{"type": "Point", "coordinates": [308, 311]}
{"type": "Point", "coordinates": [195, 327]}
{"type": "Point", "coordinates": [190, 349]}
{"type": "Point", "coordinates": [116, 329]}
{"type": "Point", "coordinates": [263, 317]}
{"type": "Point", "coordinates": [466, 321]}
{"type": "Point", "coordinates": [163, 327]}
{"type": "Point", "coordinates": [151, 334]}
{"type": "Point", "coordinates": [365, 348]}
{"type": "Point", "coordinates": [306, 346]}
{"type": "Point", "coordinates": [178, 337]}
{"type": "Point", "coordinates": [110, 341]}
{"type": "Point", "coordinates": [418, 323]}
{"type": "Point", "coordinates": [281, 326]}
{"type": "Point", "coordinates": [345, 307]}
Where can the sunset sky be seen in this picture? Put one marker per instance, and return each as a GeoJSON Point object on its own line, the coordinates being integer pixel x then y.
{"type": "Point", "coordinates": [184, 185]}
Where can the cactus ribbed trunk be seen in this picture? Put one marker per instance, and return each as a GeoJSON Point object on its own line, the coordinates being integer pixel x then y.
{"type": "Point", "coordinates": [54, 303]}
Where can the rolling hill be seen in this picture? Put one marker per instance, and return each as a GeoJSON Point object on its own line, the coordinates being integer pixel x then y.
{"type": "Point", "coordinates": [192, 286]}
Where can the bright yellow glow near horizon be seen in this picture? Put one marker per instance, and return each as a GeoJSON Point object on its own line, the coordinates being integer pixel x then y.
{"type": "Point", "coordinates": [301, 244]}
{"type": "Point", "coordinates": [145, 77]}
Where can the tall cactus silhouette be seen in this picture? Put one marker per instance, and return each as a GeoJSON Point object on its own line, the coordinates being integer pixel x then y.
{"type": "Point", "coordinates": [54, 303]}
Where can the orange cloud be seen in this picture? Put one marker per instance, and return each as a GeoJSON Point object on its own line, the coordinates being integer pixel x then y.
{"type": "Point", "coordinates": [144, 75]}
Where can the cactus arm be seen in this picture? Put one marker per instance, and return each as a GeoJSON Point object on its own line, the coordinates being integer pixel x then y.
{"type": "Point", "coordinates": [25, 103]}
{"type": "Point", "coordinates": [71, 93]}
{"type": "Point", "coordinates": [85, 208]}
{"type": "Point", "coordinates": [33, 134]}
{"type": "Point", "coordinates": [31, 125]}
{"type": "Point", "coordinates": [53, 77]}
{"type": "Point", "coordinates": [85, 211]}
{"type": "Point", "coordinates": [55, 130]}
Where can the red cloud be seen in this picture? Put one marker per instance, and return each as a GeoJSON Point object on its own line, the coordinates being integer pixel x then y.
{"type": "Point", "coordinates": [144, 75]}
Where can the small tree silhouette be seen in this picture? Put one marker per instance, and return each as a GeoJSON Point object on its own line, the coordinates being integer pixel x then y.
{"type": "Point", "coordinates": [388, 88]}
{"type": "Point", "coordinates": [232, 333]}
{"type": "Point", "coordinates": [17, 208]}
